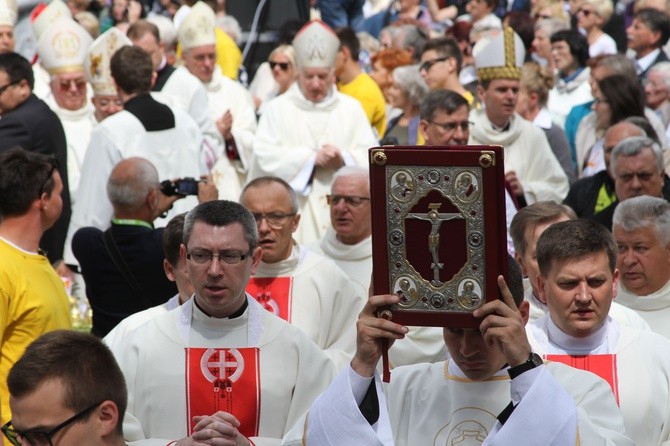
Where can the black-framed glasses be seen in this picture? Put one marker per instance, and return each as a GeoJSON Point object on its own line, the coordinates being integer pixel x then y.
{"type": "Point", "coordinates": [5, 87]}
{"type": "Point", "coordinates": [427, 65]}
{"type": "Point", "coordinates": [202, 257]}
{"type": "Point", "coordinates": [54, 167]}
{"type": "Point", "coordinates": [452, 126]}
{"type": "Point", "coordinates": [586, 12]}
{"type": "Point", "coordinates": [282, 65]}
{"type": "Point", "coordinates": [41, 438]}
{"type": "Point", "coordinates": [276, 220]}
{"type": "Point", "coordinates": [351, 200]}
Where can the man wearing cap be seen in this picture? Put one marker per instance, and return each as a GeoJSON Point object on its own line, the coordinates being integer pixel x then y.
{"type": "Point", "coordinates": [230, 105]}
{"type": "Point", "coordinates": [532, 170]}
{"type": "Point", "coordinates": [8, 13]}
{"type": "Point", "coordinates": [176, 87]}
{"type": "Point", "coordinates": [307, 133]}
{"type": "Point", "coordinates": [105, 98]}
{"type": "Point", "coordinates": [68, 87]}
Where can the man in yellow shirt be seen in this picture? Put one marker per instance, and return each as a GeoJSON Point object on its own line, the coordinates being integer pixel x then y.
{"type": "Point", "coordinates": [441, 62]}
{"type": "Point", "coordinates": [32, 296]}
{"type": "Point", "coordinates": [353, 82]}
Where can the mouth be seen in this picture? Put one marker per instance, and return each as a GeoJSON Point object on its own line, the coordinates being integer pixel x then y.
{"type": "Point", "coordinates": [266, 243]}
{"type": "Point", "coordinates": [584, 313]}
{"type": "Point", "coordinates": [215, 290]}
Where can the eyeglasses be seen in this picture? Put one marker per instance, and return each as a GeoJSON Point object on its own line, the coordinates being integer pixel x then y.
{"type": "Point", "coordinates": [350, 200]}
{"type": "Point", "coordinates": [275, 220]}
{"type": "Point", "coordinates": [5, 87]}
{"type": "Point", "coordinates": [282, 65]}
{"type": "Point", "coordinates": [452, 126]}
{"type": "Point", "coordinates": [41, 438]}
{"type": "Point", "coordinates": [427, 65]}
{"type": "Point", "coordinates": [54, 166]}
{"type": "Point", "coordinates": [586, 12]}
{"type": "Point", "coordinates": [66, 84]}
{"type": "Point", "coordinates": [202, 257]}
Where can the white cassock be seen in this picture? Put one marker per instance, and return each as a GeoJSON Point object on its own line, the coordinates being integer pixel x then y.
{"type": "Point", "coordinates": [175, 152]}
{"type": "Point", "coordinates": [420, 344]}
{"type": "Point", "coordinates": [527, 152]}
{"type": "Point", "coordinates": [638, 363]}
{"type": "Point", "coordinates": [623, 315]}
{"type": "Point", "coordinates": [290, 132]}
{"type": "Point", "coordinates": [435, 404]}
{"type": "Point", "coordinates": [316, 297]}
{"type": "Point", "coordinates": [654, 308]}
{"type": "Point", "coordinates": [185, 91]}
{"type": "Point", "coordinates": [78, 125]}
{"type": "Point", "coordinates": [290, 372]}
{"type": "Point", "coordinates": [226, 94]}
{"type": "Point", "coordinates": [118, 334]}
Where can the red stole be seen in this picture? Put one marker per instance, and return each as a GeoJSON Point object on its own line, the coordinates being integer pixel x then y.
{"type": "Point", "coordinates": [226, 379]}
{"type": "Point", "coordinates": [602, 365]}
{"type": "Point", "coordinates": [274, 294]}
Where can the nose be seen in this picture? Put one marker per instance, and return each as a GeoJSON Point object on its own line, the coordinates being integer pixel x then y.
{"type": "Point", "coordinates": [215, 269]}
{"type": "Point", "coordinates": [470, 343]}
{"type": "Point", "coordinates": [459, 134]}
{"type": "Point", "coordinates": [263, 226]}
{"type": "Point", "coordinates": [635, 183]}
{"type": "Point", "coordinates": [628, 257]}
{"type": "Point", "coordinates": [583, 293]}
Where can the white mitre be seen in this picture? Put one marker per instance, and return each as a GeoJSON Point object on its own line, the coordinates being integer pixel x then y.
{"type": "Point", "coordinates": [8, 12]}
{"type": "Point", "coordinates": [42, 16]}
{"type": "Point", "coordinates": [166, 29]}
{"type": "Point", "coordinates": [499, 57]}
{"type": "Point", "coordinates": [62, 47]}
{"type": "Point", "coordinates": [97, 61]}
{"type": "Point", "coordinates": [198, 27]}
{"type": "Point", "coordinates": [316, 45]}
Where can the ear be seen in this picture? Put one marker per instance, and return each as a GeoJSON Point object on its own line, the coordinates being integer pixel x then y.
{"type": "Point", "coordinates": [615, 283]}
{"type": "Point", "coordinates": [657, 37]}
{"type": "Point", "coordinates": [534, 98]}
{"type": "Point", "coordinates": [154, 75]}
{"type": "Point", "coordinates": [524, 309]}
{"type": "Point", "coordinates": [481, 93]}
{"type": "Point", "coordinates": [423, 127]}
{"type": "Point", "coordinates": [169, 270]}
{"type": "Point", "coordinates": [296, 222]}
{"type": "Point", "coordinates": [256, 257]}
{"type": "Point", "coordinates": [182, 253]}
{"type": "Point", "coordinates": [519, 260]}
{"type": "Point", "coordinates": [541, 283]}
{"type": "Point", "coordinates": [451, 63]}
{"type": "Point", "coordinates": [108, 415]}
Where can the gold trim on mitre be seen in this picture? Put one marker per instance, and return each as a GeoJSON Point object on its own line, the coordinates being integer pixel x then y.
{"type": "Point", "coordinates": [98, 58]}
{"type": "Point", "coordinates": [510, 70]}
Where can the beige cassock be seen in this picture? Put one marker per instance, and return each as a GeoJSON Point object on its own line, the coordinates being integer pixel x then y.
{"type": "Point", "coordinates": [290, 132]}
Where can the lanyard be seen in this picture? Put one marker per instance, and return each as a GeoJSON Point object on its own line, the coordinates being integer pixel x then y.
{"type": "Point", "coordinates": [132, 222]}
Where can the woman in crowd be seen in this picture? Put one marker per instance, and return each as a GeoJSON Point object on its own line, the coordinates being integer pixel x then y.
{"type": "Point", "coordinates": [657, 92]}
{"type": "Point", "coordinates": [592, 15]}
{"type": "Point", "coordinates": [275, 76]}
{"type": "Point", "coordinates": [544, 28]}
{"type": "Point", "coordinates": [406, 94]}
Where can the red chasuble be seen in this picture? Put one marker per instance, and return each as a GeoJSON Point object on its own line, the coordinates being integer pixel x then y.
{"type": "Point", "coordinates": [224, 379]}
{"type": "Point", "coordinates": [274, 294]}
{"type": "Point", "coordinates": [602, 365]}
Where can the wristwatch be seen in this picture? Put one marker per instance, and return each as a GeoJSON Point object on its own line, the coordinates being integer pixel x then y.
{"type": "Point", "coordinates": [533, 361]}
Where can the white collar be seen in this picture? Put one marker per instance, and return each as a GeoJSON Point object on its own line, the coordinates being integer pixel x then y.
{"type": "Point", "coordinates": [543, 119]}
{"type": "Point", "coordinates": [645, 62]}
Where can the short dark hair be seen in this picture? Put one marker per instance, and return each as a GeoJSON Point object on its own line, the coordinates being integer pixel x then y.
{"type": "Point", "coordinates": [574, 240]}
{"type": "Point", "coordinates": [81, 362]}
{"type": "Point", "coordinates": [579, 46]}
{"type": "Point", "coordinates": [173, 236]}
{"type": "Point", "coordinates": [222, 213]}
{"type": "Point", "coordinates": [624, 96]}
{"type": "Point", "coordinates": [349, 39]}
{"type": "Point", "coordinates": [657, 22]}
{"type": "Point", "coordinates": [141, 27]}
{"type": "Point", "coordinates": [446, 47]}
{"type": "Point", "coordinates": [132, 69]}
{"type": "Point", "coordinates": [522, 24]}
{"type": "Point", "coordinates": [24, 176]}
{"type": "Point", "coordinates": [514, 280]}
{"type": "Point", "coordinates": [445, 100]}
{"type": "Point", "coordinates": [530, 217]}
{"type": "Point", "coordinates": [17, 68]}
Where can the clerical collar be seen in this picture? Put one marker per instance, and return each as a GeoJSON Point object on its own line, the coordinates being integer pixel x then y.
{"type": "Point", "coordinates": [235, 315]}
{"type": "Point", "coordinates": [131, 222]}
{"type": "Point", "coordinates": [501, 129]}
{"type": "Point", "coordinates": [595, 343]}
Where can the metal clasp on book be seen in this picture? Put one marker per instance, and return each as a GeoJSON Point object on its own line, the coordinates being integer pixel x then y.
{"type": "Point", "coordinates": [378, 157]}
{"type": "Point", "coordinates": [487, 159]}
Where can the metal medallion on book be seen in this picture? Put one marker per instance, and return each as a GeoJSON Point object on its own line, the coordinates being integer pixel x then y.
{"type": "Point", "coordinates": [439, 232]}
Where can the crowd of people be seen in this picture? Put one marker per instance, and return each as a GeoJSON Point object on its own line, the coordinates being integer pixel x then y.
{"type": "Point", "coordinates": [217, 226]}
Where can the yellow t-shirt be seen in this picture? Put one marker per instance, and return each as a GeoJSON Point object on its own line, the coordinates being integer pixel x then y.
{"type": "Point", "coordinates": [366, 91]}
{"type": "Point", "coordinates": [228, 54]}
{"type": "Point", "coordinates": [32, 302]}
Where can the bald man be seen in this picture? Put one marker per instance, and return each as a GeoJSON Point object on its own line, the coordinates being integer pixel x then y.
{"type": "Point", "coordinates": [123, 266]}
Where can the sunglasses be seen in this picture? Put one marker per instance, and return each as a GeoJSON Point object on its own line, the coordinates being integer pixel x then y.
{"type": "Point", "coordinates": [427, 65]}
{"type": "Point", "coordinates": [586, 12]}
{"type": "Point", "coordinates": [282, 65]}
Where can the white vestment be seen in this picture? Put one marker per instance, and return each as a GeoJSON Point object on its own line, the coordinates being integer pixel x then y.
{"type": "Point", "coordinates": [78, 125]}
{"type": "Point", "coordinates": [325, 303]}
{"type": "Point", "coordinates": [642, 371]}
{"type": "Point", "coordinates": [527, 152]}
{"type": "Point", "coordinates": [290, 132]}
{"type": "Point", "coordinates": [118, 334]}
{"type": "Point", "coordinates": [623, 315]}
{"type": "Point", "coordinates": [175, 152]}
{"type": "Point", "coordinates": [226, 94]}
{"type": "Point", "coordinates": [654, 308]}
{"type": "Point", "coordinates": [293, 371]}
{"type": "Point", "coordinates": [185, 91]}
{"type": "Point", "coordinates": [435, 404]}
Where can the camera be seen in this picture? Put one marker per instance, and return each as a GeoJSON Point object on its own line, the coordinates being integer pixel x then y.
{"type": "Point", "coordinates": [184, 186]}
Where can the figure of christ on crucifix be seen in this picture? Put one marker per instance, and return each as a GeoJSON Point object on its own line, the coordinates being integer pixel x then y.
{"type": "Point", "coordinates": [436, 219]}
